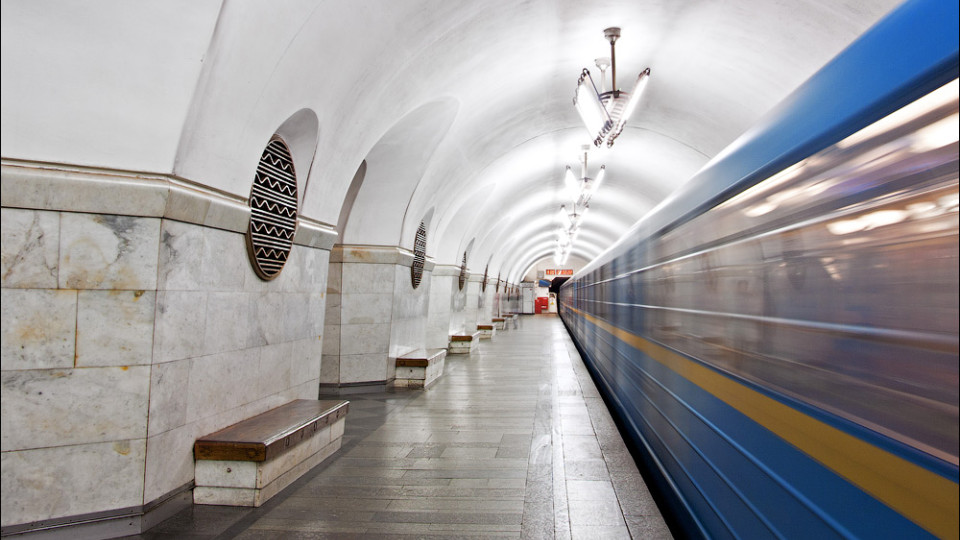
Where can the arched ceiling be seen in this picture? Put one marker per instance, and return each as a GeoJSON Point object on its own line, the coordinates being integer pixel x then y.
{"type": "Point", "coordinates": [461, 107]}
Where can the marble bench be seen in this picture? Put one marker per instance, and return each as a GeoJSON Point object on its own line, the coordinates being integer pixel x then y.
{"type": "Point", "coordinates": [251, 461]}
{"type": "Point", "coordinates": [419, 368]}
{"type": "Point", "coordinates": [487, 331]}
{"type": "Point", "coordinates": [500, 323]}
{"type": "Point", "coordinates": [464, 343]}
{"type": "Point", "coordinates": [514, 318]}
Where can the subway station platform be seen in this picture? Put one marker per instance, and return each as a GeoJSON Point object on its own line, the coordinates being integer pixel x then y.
{"type": "Point", "coordinates": [513, 441]}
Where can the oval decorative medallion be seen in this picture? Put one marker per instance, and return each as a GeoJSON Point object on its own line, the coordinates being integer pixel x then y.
{"type": "Point", "coordinates": [273, 211]}
{"type": "Point", "coordinates": [419, 255]}
{"type": "Point", "coordinates": [463, 271]}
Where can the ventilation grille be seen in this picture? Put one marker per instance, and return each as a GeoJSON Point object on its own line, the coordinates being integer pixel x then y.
{"type": "Point", "coordinates": [273, 211]}
{"type": "Point", "coordinates": [463, 271]}
{"type": "Point", "coordinates": [483, 284]}
{"type": "Point", "coordinates": [419, 255]}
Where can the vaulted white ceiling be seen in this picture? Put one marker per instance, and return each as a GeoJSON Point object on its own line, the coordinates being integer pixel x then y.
{"type": "Point", "coordinates": [461, 111]}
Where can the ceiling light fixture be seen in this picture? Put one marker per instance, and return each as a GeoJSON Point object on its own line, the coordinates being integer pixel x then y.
{"type": "Point", "coordinates": [605, 112]}
{"type": "Point", "coordinates": [580, 191]}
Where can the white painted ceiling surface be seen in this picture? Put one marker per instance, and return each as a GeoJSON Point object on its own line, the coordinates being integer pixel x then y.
{"type": "Point", "coordinates": [462, 110]}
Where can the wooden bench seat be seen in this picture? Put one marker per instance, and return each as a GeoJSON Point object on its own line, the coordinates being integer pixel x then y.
{"type": "Point", "coordinates": [463, 343]}
{"type": "Point", "coordinates": [487, 331]}
{"type": "Point", "coordinates": [420, 368]}
{"type": "Point", "coordinates": [247, 463]}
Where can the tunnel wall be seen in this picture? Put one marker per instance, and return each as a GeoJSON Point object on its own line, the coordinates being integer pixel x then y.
{"type": "Point", "coordinates": [132, 324]}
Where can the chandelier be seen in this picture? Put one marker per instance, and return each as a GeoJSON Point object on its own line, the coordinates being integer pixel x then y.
{"type": "Point", "coordinates": [605, 112]}
{"type": "Point", "coordinates": [580, 190]}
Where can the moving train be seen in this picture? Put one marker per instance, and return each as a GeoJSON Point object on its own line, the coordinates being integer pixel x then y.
{"type": "Point", "coordinates": [778, 340]}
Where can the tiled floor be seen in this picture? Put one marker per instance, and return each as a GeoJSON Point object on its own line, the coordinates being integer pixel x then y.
{"type": "Point", "coordinates": [512, 441]}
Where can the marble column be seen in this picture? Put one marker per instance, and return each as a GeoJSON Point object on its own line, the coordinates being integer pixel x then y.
{"type": "Point", "coordinates": [132, 324]}
{"type": "Point", "coordinates": [374, 315]}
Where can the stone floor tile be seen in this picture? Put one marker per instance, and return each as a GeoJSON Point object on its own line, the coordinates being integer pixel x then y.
{"type": "Point", "coordinates": [513, 441]}
{"type": "Point", "coordinates": [652, 527]}
{"type": "Point", "coordinates": [605, 513]}
{"type": "Point", "coordinates": [599, 532]}
{"type": "Point", "coordinates": [591, 490]}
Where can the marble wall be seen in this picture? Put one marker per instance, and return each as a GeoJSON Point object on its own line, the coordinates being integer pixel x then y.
{"type": "Point", "coordinates": [455, 298]}
{"type": "Point", "coordinates": [125, 337]}
{"type": "Point", "coordinates": [442, 297]}
{"type": "Point", "coordinates": [373, 315]}
{"type": "Point", "coordinates": [471, 311]}
{"type": "Point", "coordinates": [410, 311]}
{"type": "Point", "coordinates": [488, 301]}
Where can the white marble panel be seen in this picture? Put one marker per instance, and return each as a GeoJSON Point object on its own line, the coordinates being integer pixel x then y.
{"type": "Point", "coordinates": [305, 362]}
{"type": "Point", "coordinates": [169, 461]}
{"type": "Point", "coordinates": [60, 407]}
{"type": "Point", "coordinates": [405, 372]}
{"type": "Point", "coordinates": [274, 312]}
{"type": "Point", "coordinates": [316, 311]}
{"type": "Point", "coordinates": [356, 368]}
{"type": "Point", "coordinates": [54, 482]}
{"type": "Point", "coordinates": [275, 367]}
{"type": "Point", "coordinates": [181, 256]}
{"type": "Point", "coordinates": [291, 276]}
{"type": "Point", "coordinates": [297, 311]}
{"type": "Point", "coordinates": [186, 205]}
{"type": "Point", "coordinates": [256, 497]}
{"type": "Point", "coordinates": [335, 278]}
{"type": "Point", "coordinates": [315, 267]}
{"type": "Point", "coordinates": [220, 473]}
{"type": "Point", "coordinates": [30, 248]}
{"type": "Point", "coordinates": [232, 322]}
{"type": "Point", "coordinates": [39, 328]}
{"type": "Point", "coordinates": [226, 496]}
{"type": "Point", "coordinates": [438, 334]}
{"type": "Point", "coordinates": [108, 252]}
{"type": "Point", "coordinates": [168, 396]}
{"type": "Point", "coordinates": [221, 382]}
{"type": "Point", "coordinates": [224, 260]}
{"type": "Point", "coordinates": [367, 278]}
{"type": "Point", "coordinates": [251, 474]}
{"type": "Point", "coordinates": [28, 186]}
{"type": "Point", "coordinates": [226, 214]}
{"type": "Point", "coordinates": [337, 429]}
{"type": "Point", "coordinates": [307, 390]}
{"type": "Point", "coordinates": [364, 338]}
{"type": "Point", "coordinates": [357, 308]}
{"type": "Point", "coordinates": [410, 313]}
{"type": "Point", "coordinates": [331, 339]}
{"type": "Point", "coordinates": [330, 369]}
{"type": "Point", "coordinates": [180, 325]}
{"type": "Point", "coordinates": [115, 328]}
{"type": "Point", "coordinates": [332, 309]}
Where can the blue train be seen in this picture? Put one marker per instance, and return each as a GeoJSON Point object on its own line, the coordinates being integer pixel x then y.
{"type": "Point", "coordinates": [779, 339]}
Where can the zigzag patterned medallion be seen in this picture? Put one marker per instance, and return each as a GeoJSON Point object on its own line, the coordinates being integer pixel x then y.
{"type": "Point", "coordinates": [419, 255]}
{"type": "Point", "coordinates": [273, 211]}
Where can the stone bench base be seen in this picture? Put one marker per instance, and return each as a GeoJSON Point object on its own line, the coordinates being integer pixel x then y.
{"type": "Point", "coordinates": [514, 319]}
{"type": "Point", "coordinates": [249, 462]}
{"type": "Point", "coordinates": [499, 323]}
{"type": "Point", "coordinates": [420, 368]}
{"type": "Point", "coordinates": [463, 343]}
{"type": "Point", "coordinates": [487, 331]}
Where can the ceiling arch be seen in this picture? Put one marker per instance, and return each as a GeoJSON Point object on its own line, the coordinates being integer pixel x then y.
{"type": "Point", "coordinates": [460, 107]}
{"type": "Point", "coordinates": [394, 167]}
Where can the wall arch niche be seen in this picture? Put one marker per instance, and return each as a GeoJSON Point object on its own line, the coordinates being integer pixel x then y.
{"type": "Point", "coordinates": [276, 194]}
